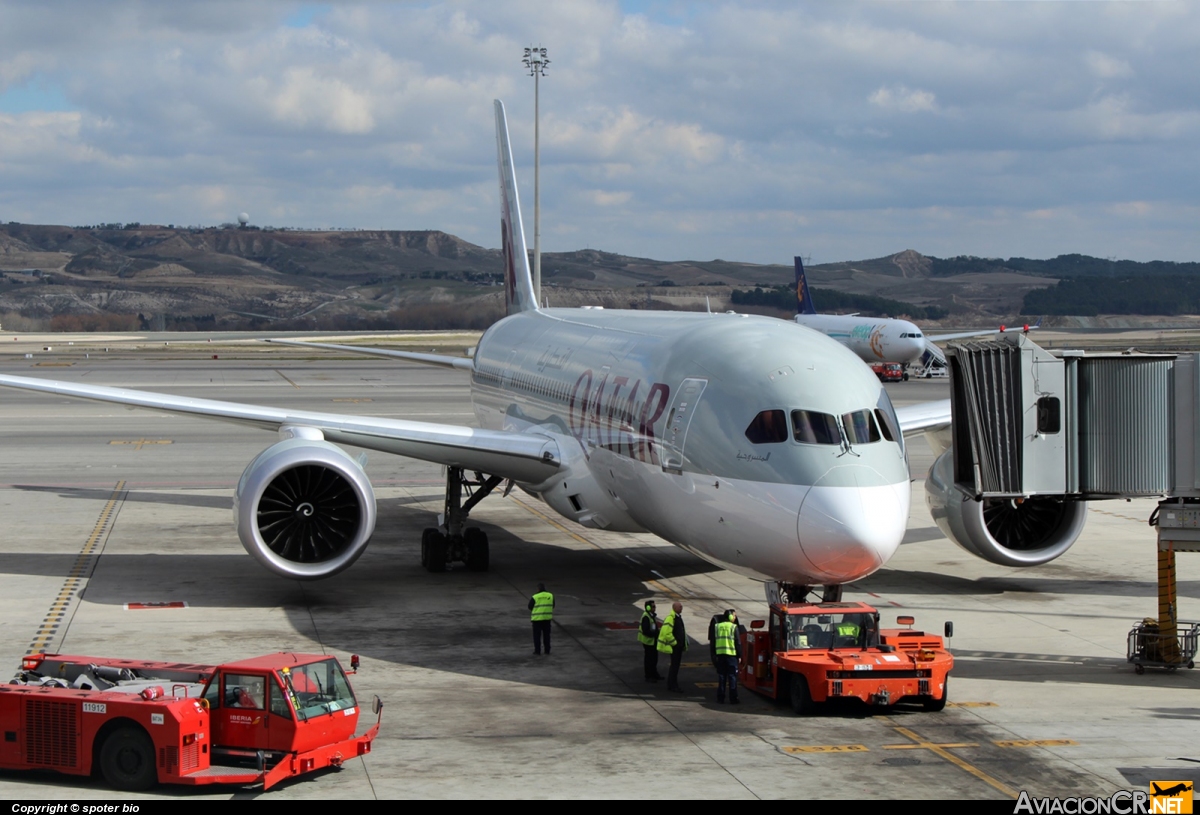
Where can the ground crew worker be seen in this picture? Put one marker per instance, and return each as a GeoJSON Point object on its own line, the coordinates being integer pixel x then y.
{"type": "Point", "coordinates": [847, 628]}
{"type": "Point", "coordinates": [672, 639]}
{"type": "Point", "coordinates": [648, 637]}
{"type": "Point", "coordinates": [541, 612]}
{"type": "Point", "coordinates": [729, 653]}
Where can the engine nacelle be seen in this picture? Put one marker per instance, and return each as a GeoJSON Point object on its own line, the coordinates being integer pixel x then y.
{"type": "Point", "coordinates": [304, 509]}
{"type": "Point", "coordinates": [1029, 533]}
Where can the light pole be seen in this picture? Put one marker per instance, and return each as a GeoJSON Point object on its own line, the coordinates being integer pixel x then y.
{"type": "Point", "coordinates": [535, 61]}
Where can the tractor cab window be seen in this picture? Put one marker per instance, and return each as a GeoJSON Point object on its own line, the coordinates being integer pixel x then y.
{"type": "Point", "coordinates": [318, 688]}
{"type": "Point", "coordinates": [811, 631]}
{"type": "Point", "coordinates": [808, 631]}
{"type": "Point", "coordinates": [280, 705]}
{"type": "Point", "coordinates": [246, 691]}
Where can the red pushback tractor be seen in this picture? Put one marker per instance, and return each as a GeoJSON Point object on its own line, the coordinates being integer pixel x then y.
{"type": "Point", "coordinates": [139, 722]}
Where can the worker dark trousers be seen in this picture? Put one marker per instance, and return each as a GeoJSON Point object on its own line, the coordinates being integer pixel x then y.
{"type": "Point", "coordinates": [651, 661]}
{"type": "Point", "coordinates": [727, 677]}
{"type": "Point", "coordinates": [673, 671]}
{"type": "Point", "coordinates": [541, 636]}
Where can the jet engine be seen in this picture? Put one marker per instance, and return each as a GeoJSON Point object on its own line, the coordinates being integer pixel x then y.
{"type": "Point", "coordinates": [1028, 532]}
{"type": "Point", "coordinates": [304, 509]}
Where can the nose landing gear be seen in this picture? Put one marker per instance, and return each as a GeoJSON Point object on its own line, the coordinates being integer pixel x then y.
{"type": "Point", "coordinates": [784, 593]}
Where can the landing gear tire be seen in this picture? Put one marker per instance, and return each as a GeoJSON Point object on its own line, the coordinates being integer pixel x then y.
{"type": "Point", "coordinates": [127, 760]}
{"type": "Point", "coordinates": [936, 705]}
{"type": "Point", "coordinates": [476, 541]}
{"type": "Point", "coordinates": [426, 536]}
{"type": "Point", "coordinates": [802, 703]}
{"type": "Point", "coordinates": [1139, 668]}
{"type": "Point", "coordinates": [435, 551]}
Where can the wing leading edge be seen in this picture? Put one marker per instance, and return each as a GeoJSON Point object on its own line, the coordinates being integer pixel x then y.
{"type": "Point", "coordinates": [458, 363]}
{"type": "Point", "coordinates": [924, 417]}
{"type": "Point", "coordinates": [522, 456]}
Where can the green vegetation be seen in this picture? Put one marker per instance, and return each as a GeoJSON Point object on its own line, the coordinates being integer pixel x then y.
{"type": "Point", "coordinates": [1083, 296]}
{"type": "Point", "coordinates": [784, 297]}
{"type": "Point", "coordinates": [1062, 266]}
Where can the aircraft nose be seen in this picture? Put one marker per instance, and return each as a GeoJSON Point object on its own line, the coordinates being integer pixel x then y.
{"type": "Point", "coordinates": [851, 522]}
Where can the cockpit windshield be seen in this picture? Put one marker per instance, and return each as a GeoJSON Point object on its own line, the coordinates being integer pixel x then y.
{"type": "Point", "coordinates": [806, 632]}
{"type": "Point", "coordinates": [811, 427]}
{"type": "Point", "coordinates": [318, 688]}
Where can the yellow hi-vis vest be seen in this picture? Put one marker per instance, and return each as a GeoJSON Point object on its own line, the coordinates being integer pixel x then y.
{"type": "Point", "coordinates": [543, 607]}
{"type": "Point", "coordinates": [726, 647]}
{"type": "Point", "coordinates": [666, 635]}
{"type": "Point", "coordinates": [642, 638]}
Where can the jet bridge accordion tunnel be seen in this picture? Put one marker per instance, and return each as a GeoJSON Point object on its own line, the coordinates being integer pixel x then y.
{"type": "Point", "coordinates": [1036, 435]}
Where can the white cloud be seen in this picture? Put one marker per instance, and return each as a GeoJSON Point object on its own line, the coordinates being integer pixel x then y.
{"type": "Point", "coordinates": [1106, 67]}
{"type": "Point", "coordinates": [903, 99]}
{"type": "Point", "coordinates": [748, 129]}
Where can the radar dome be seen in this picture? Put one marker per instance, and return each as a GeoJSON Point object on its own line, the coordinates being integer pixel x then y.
{"type": "Point", "coordinates": [243, 219]}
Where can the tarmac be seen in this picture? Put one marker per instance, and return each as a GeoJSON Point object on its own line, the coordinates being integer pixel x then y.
{"type": "Point", "coordinates": [104, 506]}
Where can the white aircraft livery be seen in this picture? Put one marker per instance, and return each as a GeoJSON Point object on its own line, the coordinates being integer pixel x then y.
{"type": "Point", "coordinates": [757, 444]}
{"type": "Point", "coordinates": [875, 339]}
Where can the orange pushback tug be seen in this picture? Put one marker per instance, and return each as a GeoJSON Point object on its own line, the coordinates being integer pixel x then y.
{"type": "Point", "coordinates": [138, 722]}
{"type": "Point", "coordinates": [815, 652]}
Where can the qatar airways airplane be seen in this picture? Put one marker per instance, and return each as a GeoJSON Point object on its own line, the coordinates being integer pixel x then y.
{"type": "Point", "coordinates": [761, 446]}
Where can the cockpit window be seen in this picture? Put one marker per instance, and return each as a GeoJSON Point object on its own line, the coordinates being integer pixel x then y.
{"type": "Point", "coordinates": [860, 427]}
{"type": "Point", "coordinates": [810, 427]}
{"type": "Point", "coordinates": [888, 421]}
{"type": "Point", "coordinates": [768, 427]}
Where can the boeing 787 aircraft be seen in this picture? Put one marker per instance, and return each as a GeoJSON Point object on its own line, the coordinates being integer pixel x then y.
{"type": "Point", "coordinates": [757, 444]}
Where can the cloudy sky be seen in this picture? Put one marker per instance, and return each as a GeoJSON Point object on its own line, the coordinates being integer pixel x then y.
{"type": "Point", "coordinates": [741, 130]}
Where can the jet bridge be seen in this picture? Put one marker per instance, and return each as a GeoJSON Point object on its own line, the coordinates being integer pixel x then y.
{"type": "Point", "coordinates": [1033, 429]}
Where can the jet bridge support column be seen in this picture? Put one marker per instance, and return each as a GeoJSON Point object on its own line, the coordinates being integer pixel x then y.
{"type": "Point", "coordinates": [1178, 531]}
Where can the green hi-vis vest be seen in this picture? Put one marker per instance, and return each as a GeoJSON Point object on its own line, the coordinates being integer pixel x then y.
{"type": "Point", "coordinates": [543, 607]}
{"type": "Point", "coordinates": [726, 647]}
{"type": "Point", "coordinates": [846, 629]}
{"type": "Point", "coordinates": [642, 638]}
{"type": "Point", "coordinates": [666, 635]}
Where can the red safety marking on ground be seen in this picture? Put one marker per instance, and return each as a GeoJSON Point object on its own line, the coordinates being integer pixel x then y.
{"type": "Point", "coordinates": [144, 606]}
{"type": "Point", "coordinates": [620, 626]}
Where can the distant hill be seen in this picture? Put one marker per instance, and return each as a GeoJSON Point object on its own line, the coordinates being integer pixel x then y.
{"type": "Point", "coordinates": [114, 276]}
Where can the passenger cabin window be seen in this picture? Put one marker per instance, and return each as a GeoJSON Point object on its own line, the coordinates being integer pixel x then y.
{"type": "Point", "coordinates": [860, 427]}
{"type": "Point", "coordinates": [810, 427]}
{"type": "Point", "coordinates": [768, 427]}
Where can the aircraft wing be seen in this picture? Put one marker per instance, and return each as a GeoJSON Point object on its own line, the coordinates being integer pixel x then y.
{"type": "Point", "coordinates": [965, 334]}
{"type": "Point", "coordinates": [522, 456]}
{"type": "Point", "coordinates": [923, 417]}
{"type": "Point", "coordinates": [461, 363]}
{"type": "Point", "coordinates": [962, 335]}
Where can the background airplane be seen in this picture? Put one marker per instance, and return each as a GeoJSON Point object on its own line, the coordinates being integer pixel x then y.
{"type": "Point", "coordinates": [876, 339]}
{"type": "Point", "coordinates": [759, 446]}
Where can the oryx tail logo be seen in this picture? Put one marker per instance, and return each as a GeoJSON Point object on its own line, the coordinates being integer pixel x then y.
{"type": "Point", "coordinates": [1171, 797]}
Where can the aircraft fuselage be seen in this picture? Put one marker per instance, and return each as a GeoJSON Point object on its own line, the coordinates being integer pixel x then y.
{"type": "Point", "coordinates": [872, 340]}
{"type": "Point", "coordinates": [685, 425]}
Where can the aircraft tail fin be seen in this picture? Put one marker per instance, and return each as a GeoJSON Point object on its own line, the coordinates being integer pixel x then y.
{"type": "Point", "coordinates": [804, 303]}
{"type": "Point", "coordinates": [518, 282]}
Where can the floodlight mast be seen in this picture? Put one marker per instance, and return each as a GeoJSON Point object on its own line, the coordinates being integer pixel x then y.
{"type": "Point", "coordinates": [535, 62]}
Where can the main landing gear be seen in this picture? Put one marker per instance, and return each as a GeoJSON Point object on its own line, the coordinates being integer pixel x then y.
{"type": "Point", "coordinates": [452, 543]}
